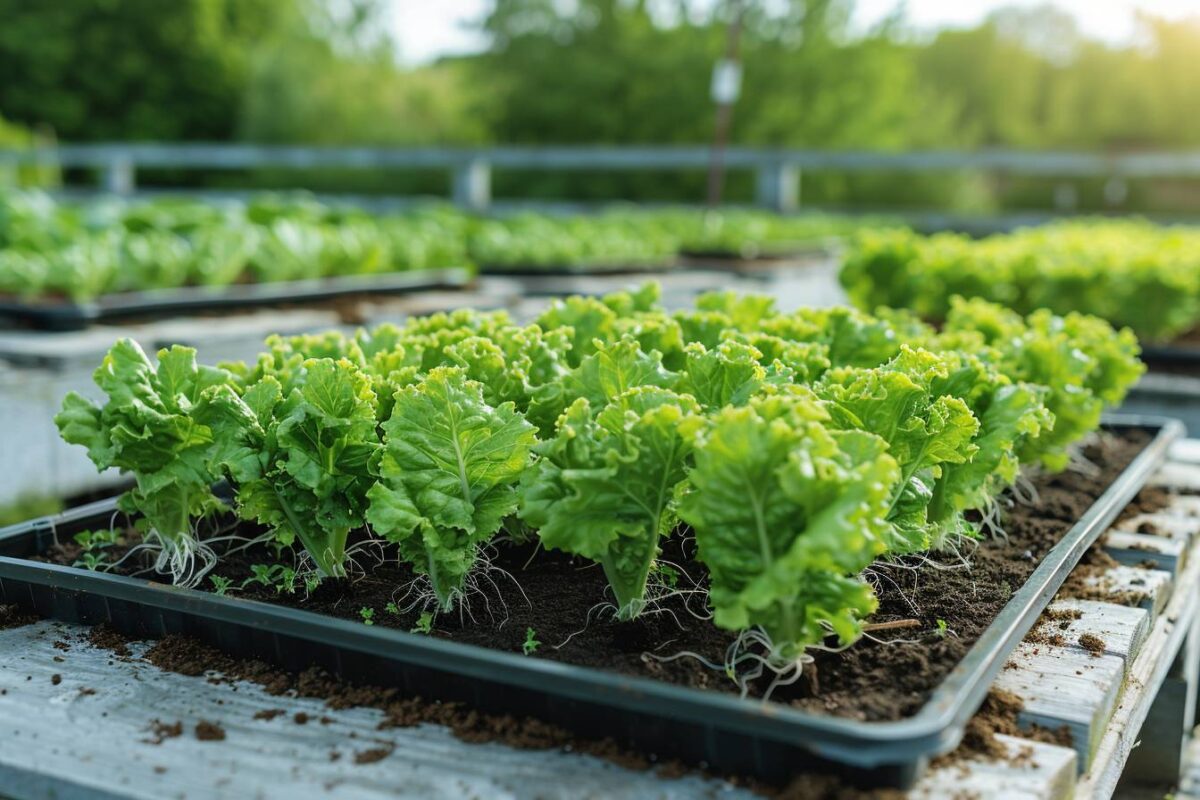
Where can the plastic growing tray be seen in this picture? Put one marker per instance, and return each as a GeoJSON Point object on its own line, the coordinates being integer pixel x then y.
{"type": "Point", "coordinates": [579, 270]}
{"type": "Point", "coordinates": [1172, 356]}
{"type": "Point", "coordinates": [724, 732]}
{"type": "Point", "coordinates": [127, 305]}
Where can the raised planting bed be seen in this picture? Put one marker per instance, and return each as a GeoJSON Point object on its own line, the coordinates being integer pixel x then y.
{"type": "Point", "coordinates": [66, 315]}
{"type": "Point", "coordinates": [875, 712]}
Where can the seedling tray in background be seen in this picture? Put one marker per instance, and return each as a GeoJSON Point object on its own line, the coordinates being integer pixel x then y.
{"type": "Point", "coordinates": [580, 270]}
{"type": "Point", "coordinates": [729, 734]}
{"type": "Point", "coordinates": [131, 305]}
{"type": "Point", "coordinates": [1173, 357]}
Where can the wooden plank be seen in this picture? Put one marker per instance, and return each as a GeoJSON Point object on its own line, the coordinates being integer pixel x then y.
{"type": "Point", "coordinates": [1165, 524]}
{"type": "Point", "coordinates": [1145, 588]}
{"type": "Point", "coordinates": [1065, 686]}
{"type": "Point", "coordinates": [58, 738]}
{"type": "Point", "coordinates": [1186, 451]}
{"type": "Point", "coordinates": [1183, 505]}
{"type": "Point", "coordinates": [1177, 475]}
{"type": "Point", "coordinates": [1122, 629]}
{"type": "Point", "coordinates": [1149, 670]}
{"type": "Point", "coordinates": [1029, 770]}
{"type": "Point", "coordinates": [1136, 549]}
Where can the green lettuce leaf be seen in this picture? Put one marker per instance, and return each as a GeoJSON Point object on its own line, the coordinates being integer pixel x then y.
{"type": "Point", "coordinates": [448, 476]}
{"type": "Point", "coordinates": [604, 486]}
{"type": "Point", "coordinates": [786, 513]}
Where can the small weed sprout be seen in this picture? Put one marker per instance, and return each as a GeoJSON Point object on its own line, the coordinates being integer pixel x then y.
{"type": "Point", "coordinates": [531, 644]}
{"type": "Point", "coordinates": [272, 576]}
{"type": "Point", "coordinates": [94, 544]}
{"type": "Point", "coordinates": [942, 629]}
{"type": "Point", "coordinates": [367, 614]}
{"type": "Point", "coordinates": [392, 609]}
{"type": "Point", "coordinates": [424, 623]}
{"type": "Point", "coordinates": [220, 585]}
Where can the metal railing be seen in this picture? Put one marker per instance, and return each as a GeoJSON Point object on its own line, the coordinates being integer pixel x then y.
{"type": "Point", "coordinates": [777, 171]}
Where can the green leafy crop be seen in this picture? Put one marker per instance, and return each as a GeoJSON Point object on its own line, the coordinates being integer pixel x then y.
{"type": "Point", "coordinates": [448, 476]}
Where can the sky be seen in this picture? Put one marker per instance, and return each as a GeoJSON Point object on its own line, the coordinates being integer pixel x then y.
{"type": "Point", "coordinates": [424, 30]}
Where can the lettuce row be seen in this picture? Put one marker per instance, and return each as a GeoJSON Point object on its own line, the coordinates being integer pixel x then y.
{"type": "Point", "coordinates": [798, 446]}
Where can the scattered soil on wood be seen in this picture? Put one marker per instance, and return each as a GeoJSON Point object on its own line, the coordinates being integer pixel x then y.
{"type": "Point", "coordinates": [209, 731]}
{"type": "Point", "coordinates": [1093, 644]}
{"type": "Point", "coordinates": [886, 677]}
{"type": "Point", "coordinates": [1149, 500]}
{"type": "Point", "coordinates": [1090, 581]}
{"type": "Point", "coordinates": [161, 731]}
{"type": "Point", "coordinates": [269, 713]}
{"type": "Point", "coordinates": [998, 715]}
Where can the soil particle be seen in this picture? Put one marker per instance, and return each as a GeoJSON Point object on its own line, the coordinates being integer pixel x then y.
{"type": "Point", "coordinates": [300, 718]}
{"type": "Point", "coordinates": [13, 617]}
{"type": "Point", "coordinates": [56, 679]}
{"type": "Point", "coordinates": [106, 638]}
{"type": "Point", "coordinates": [269, 713]}
{"type": "Point", "coordinates": [372, 755]}
{"type": "Point", "coordinates": [1093, 644]}
{"type": "Point", "coordinates": [161, 731]}
{"type": "Point", "coordinates": [209, 731]}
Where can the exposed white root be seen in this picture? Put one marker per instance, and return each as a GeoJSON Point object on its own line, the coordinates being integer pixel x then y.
{"type": "Point", "coordinates": [1023, 490]}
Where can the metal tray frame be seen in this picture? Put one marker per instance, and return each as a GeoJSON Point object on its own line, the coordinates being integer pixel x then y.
{"type": "Point", "coordinates": [125, 305]}
{"type": "Point", "coordinates": [720, 731]}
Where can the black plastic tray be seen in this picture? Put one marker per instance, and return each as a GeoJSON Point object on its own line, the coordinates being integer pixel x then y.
{"type": "Point", "coordinates": [1172, 356]}
{"type": "Point", "coordinates": [127, 305]}
{"type": "Point", "coordinates": [578, 270]}
{"type": "Point", "coordinates": [724, 732]}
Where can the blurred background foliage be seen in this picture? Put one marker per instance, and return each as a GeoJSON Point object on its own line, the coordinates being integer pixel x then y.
{"type": "Point", "coordinates": [606, 72]}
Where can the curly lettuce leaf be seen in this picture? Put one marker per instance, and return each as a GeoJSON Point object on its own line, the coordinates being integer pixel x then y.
{"type": "Point", "coordinates": [786, 513]}
{"type": "Point", "coordinates": [923, 430]}
{"type": "Point", "coordinates": [604, 486]}
{"type": "Point", "coordinates": [147, 427]}
{"type": "Point", "coordinates": [300, 459]}
{"type": "Point", "coordinates": [448, 476]}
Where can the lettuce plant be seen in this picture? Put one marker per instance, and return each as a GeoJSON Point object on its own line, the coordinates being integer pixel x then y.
{"type": "Point", "coordinates": [299, 460]}
{"type": "Point", "coordinates": [604, 486]}
{"type": "Point", "coordinates": [448, 476]}
{"type": "Point", "coordinates": [924, 431]}
{"type": "Point", "coordinates": [786, 513]}
{"type": "Point", "coordinates": [148, 427]}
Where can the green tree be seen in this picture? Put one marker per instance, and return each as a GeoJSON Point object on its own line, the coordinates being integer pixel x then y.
{"type": "Point", "coordinates": [130, 69]}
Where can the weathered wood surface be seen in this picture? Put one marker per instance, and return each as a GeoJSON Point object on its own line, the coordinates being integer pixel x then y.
{"type": "Point", "coordinates": [1135, 549]}
{"type": "Point", "coordinates": [1028, 771]}
{"type": "Point", "coordinates": [70, 740]}
{"type": "Point", "coordinates": [1149, 669]}
{"type": "Point", "coordinates": [1147, 588]}
{"type": "Point", "coordinates": [1177, 475]}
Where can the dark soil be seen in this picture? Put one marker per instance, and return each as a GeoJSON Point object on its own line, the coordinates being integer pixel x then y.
{"type": "Point", "coordinates": [1093, 644]}
{"type": "Point", "coordinates": [557, 596]}
{"type": "Point", "coordinates": [13, 617]}
{"type": "Point", "coordinates": [209, 731]}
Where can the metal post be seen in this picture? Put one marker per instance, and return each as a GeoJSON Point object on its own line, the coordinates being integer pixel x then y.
{"type": "Point", "coordinates": [118, 176]}
{"type": "Point", "coordinates": [472, 184]}
{"type": "Point", "coordinates": [725, 89]}
{"type": "Point", "coordinates": [777, 187]}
